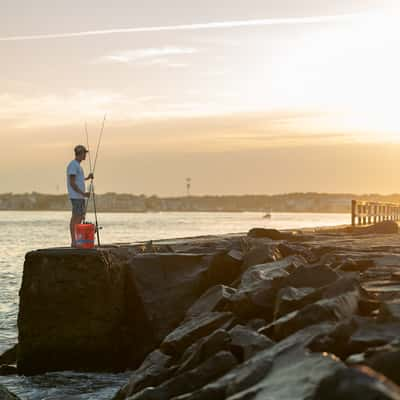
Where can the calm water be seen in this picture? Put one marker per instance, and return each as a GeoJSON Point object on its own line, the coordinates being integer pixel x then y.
{"type": "Point", "coordinates": [21, 232]}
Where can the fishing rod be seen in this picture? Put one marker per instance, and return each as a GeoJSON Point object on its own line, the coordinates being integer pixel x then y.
{"type": "Point", "coordinates": [90, 166]}
{"type": "Point", "coordinates": [98, 143]}
{"type": "Point", "coordinates": [91, 188]}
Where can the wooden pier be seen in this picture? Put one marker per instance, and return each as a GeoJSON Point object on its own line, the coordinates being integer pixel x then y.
{"type": "Point", "coordinates": [366, 212]}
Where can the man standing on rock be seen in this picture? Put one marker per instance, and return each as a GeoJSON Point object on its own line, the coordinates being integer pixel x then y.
{"type": "Point", "coordinates": [77, 189]}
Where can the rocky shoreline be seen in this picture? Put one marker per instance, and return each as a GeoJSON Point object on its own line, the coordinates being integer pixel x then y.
{"type": "Point", "coordinates": [277, 315]}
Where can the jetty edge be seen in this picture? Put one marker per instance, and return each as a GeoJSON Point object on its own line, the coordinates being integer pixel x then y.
{"type": "Point", "coordinates": [312, 314]}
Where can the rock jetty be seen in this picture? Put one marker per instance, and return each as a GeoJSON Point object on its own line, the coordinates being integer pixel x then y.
{"type": "Point", "coordinates": [279, 315]}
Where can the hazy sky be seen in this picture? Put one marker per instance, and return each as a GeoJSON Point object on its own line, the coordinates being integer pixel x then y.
{"type": "Point", "coordinates": [255, 96]}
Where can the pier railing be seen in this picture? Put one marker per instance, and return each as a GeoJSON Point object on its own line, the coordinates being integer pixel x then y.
{"type": "Point", "coordinates": [366, 212]}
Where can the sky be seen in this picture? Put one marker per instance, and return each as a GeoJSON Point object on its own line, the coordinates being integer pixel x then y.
{"type": "Point", "coordinates": [255, 96]}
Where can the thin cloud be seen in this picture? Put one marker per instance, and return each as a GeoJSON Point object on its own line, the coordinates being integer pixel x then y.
{"type": "Point", "coordinates": [194, 27]}
{"type": "Point", "coordinates": [138, 55]}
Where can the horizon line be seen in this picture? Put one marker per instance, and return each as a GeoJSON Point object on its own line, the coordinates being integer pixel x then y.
{"type": "Point", "coordinates": [192, 27]}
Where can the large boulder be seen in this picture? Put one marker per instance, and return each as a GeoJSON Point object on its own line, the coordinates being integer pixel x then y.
{"type": "Point", "coordinates": [71, 313]}
{"type": "Point", "coordinates": [160, 288]}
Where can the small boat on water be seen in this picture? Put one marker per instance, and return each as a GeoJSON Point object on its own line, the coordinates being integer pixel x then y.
{"type": "Point", "coordinates": [268, 215]}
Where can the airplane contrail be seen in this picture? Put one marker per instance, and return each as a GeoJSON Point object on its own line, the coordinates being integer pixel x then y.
{"type": "Point", "coordinates": [193, 27]}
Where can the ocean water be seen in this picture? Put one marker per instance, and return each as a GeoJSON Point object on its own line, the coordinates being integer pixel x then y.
{"type": "Point", "coordinates": [21, 232]}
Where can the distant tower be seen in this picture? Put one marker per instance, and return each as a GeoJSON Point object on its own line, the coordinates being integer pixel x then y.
{"type": "Point", "coordinates": [188, 186]}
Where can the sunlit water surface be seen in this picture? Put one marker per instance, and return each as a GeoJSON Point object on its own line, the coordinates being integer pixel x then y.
{"type": "Point", "coordinates": [21, 232]}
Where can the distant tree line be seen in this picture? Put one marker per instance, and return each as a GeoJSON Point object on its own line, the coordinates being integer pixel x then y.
{"type": "Point", "coordinates": [119, 202]}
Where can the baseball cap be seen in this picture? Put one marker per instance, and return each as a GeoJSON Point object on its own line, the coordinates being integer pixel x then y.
{"type": "Point", "coordinates": [80, 148]}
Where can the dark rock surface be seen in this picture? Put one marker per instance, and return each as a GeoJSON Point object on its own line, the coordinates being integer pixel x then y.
{"type": "Point", "coordinates": [333, 309]}
{"type": "Point", "coordinates": [306, 276]}
{"type": "Point", "coordinates": [390, 310]}
{"type": "Point", "coordinates": [290, 299]}
{"type": "Point", "coordinates": [191, 380]}
{"type": "Point", "coordinates": [371, 333]}
{"type": "Point", "coordinates": [193, 329]}
{"type": "Point", "coordinates": [268, 233]}
{"type": "Point", "coordinates": [292, 376]}
{"type": "Point", "coordinates": [71, 312]}
{"type": "Point", "coordinates": [179, 280]}
{"type": "Point", "coordinates": [203, 349]}
{"type": "Point", "coordinates": [224, 267]}
{"type": "Point", "coordinates": [245, 342]}
{"type": "Point", "coordinates": [356, 384]}
{"type": "Point", "coordinates": [9, 356]}
{"type": "Point", "coordinates": [260, 253]}
{"type": "Point", "coordinates": [217, 298]}
{"type": "Point", "coordinates": [153, 371]}
{"type": "Point", "coordinates": [385, 360]}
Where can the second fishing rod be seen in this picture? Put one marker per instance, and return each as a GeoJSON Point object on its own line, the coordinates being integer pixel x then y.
{"type": "Point", "coordinates": [92, 171]}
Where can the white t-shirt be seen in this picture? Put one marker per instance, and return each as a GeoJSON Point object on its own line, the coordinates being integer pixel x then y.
{"type": "Point", "coordinates": [74, 168]}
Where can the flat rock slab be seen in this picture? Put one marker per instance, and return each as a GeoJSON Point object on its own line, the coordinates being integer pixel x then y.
{"type": "Point", "coordinates": [192, 330]}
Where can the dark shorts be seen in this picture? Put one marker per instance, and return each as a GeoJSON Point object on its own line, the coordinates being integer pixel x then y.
{"type": "Point", "coordinates": [78, 207]}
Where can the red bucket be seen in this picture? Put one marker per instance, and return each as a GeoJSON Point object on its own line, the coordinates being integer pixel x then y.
{"type": "Point", "coordinates": [84, 236]}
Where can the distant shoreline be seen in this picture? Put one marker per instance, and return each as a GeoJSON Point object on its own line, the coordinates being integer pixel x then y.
{"type": "Point", "coordinates": [327, 203]}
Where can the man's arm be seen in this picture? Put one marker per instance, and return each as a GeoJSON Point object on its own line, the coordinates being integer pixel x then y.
{"type": "Point", "coordinates": [72, 181]}
{"type": "Point", "coordinates": [90, 176]}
